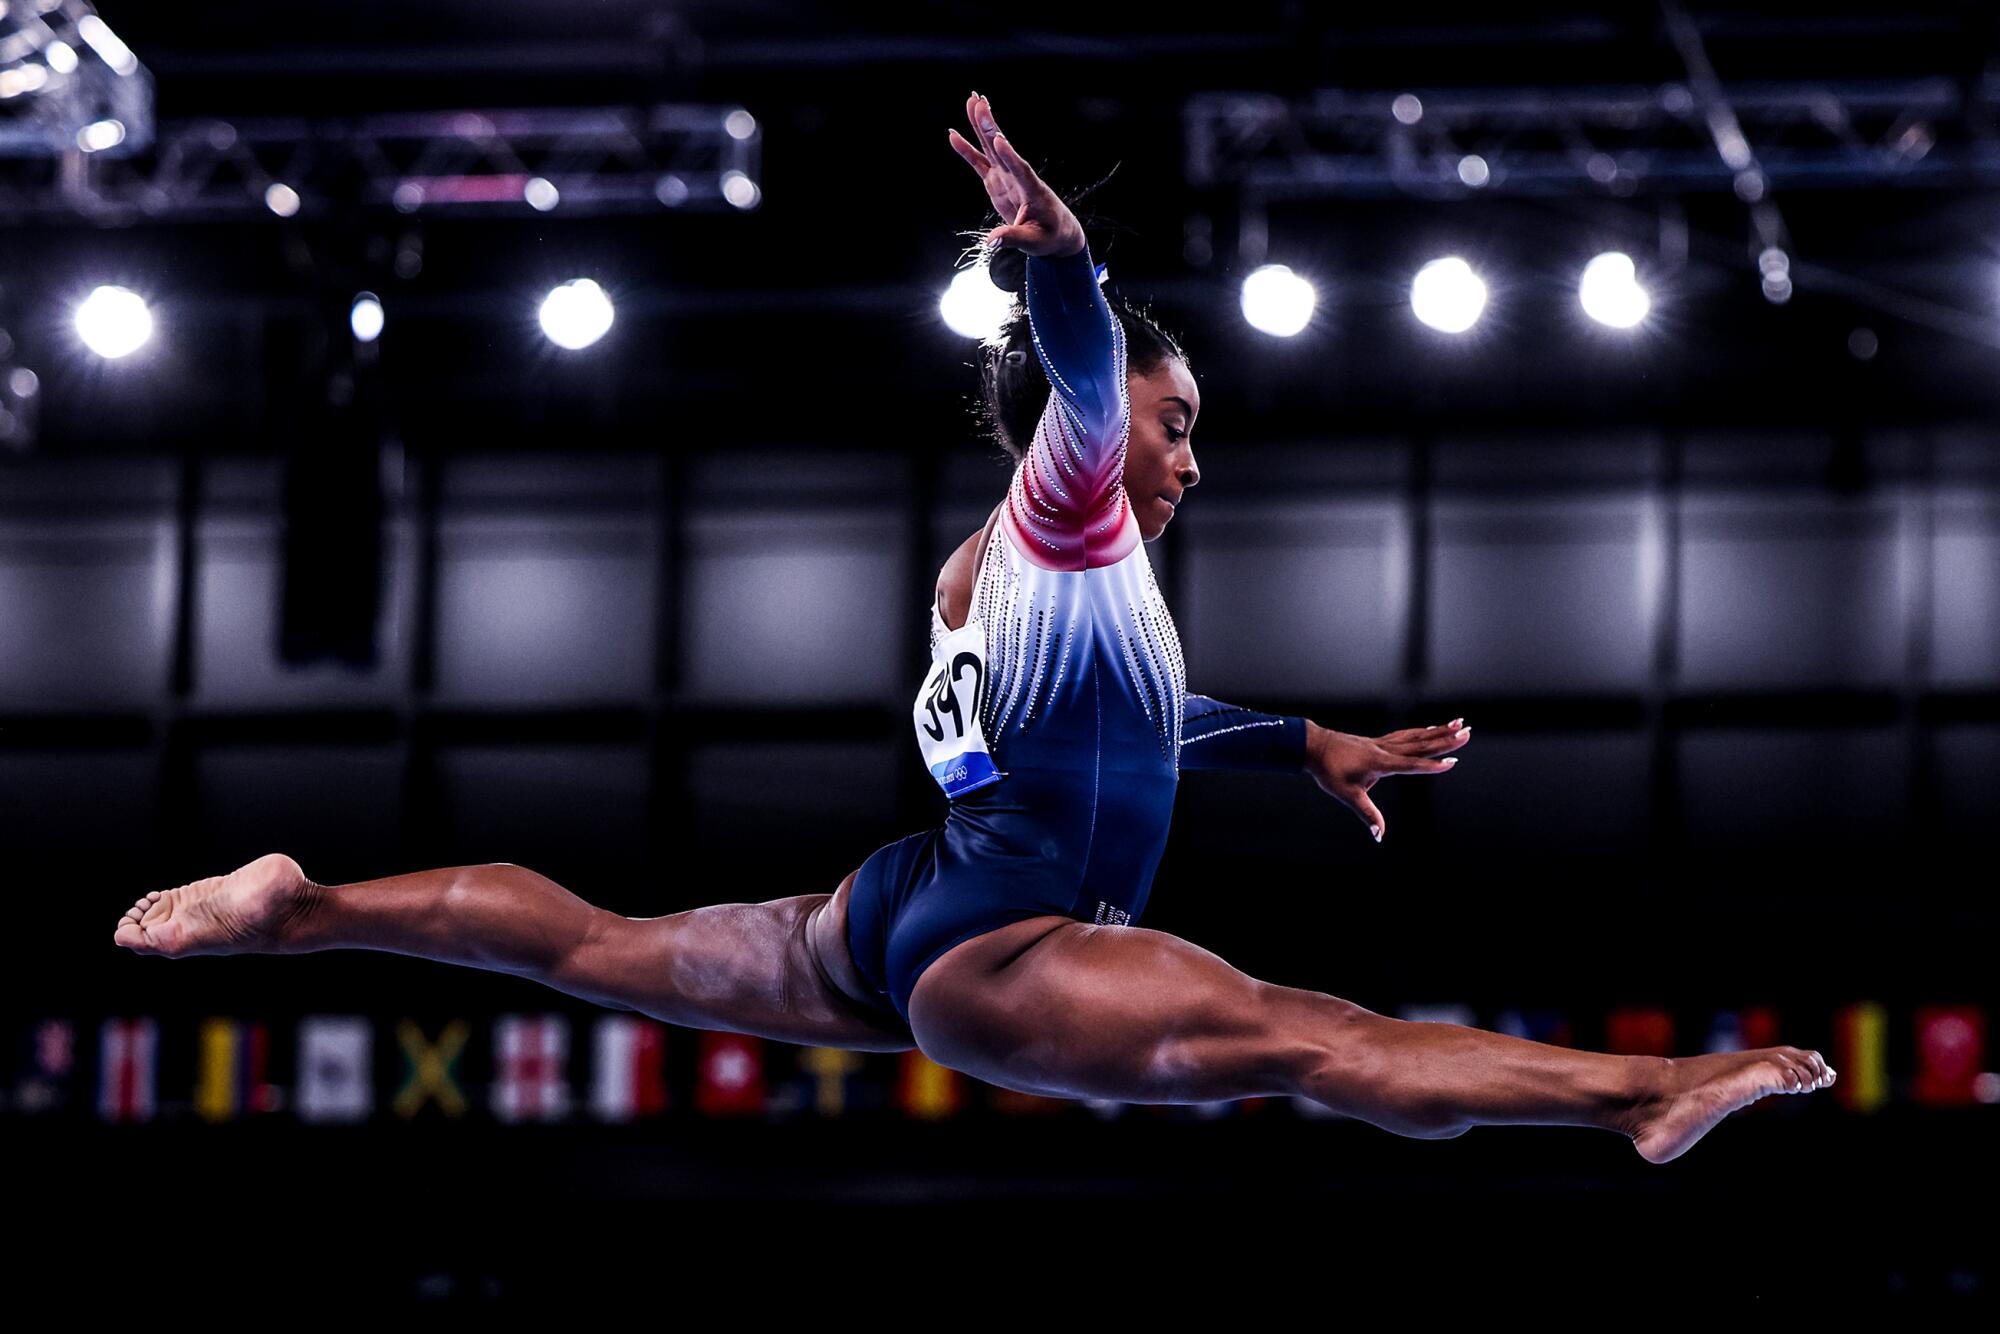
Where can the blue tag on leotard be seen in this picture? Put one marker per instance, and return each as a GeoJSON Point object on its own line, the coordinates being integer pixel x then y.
{"type": "Point", "coordinates": [947, 713]}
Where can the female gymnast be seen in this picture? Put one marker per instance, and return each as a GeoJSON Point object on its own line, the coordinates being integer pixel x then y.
{"type": "Point", "coordinates": [1055, 717]}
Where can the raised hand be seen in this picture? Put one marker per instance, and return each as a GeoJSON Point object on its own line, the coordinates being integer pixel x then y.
{"type": "Point", "coordinates": [1345, 766]}
{"type": "Point", "coordinates": [1036, 221]}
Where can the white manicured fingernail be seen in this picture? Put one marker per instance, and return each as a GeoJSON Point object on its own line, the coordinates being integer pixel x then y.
{"type": "Point", "coordinates": [1453, 760]}
{"type": "Point", "coordinates": [1461, 734]}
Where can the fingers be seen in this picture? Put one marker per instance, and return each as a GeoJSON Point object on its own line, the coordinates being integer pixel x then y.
{"type": "Point", "coordinates": [1428, 740]}
{"type": "Point", "coordinates": [1371, 817]}
{"type": "Point", "coordinates": [976, 159]}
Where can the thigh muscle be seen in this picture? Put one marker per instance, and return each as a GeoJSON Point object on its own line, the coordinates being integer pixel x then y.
{"type": "Point", "coordinates": [1076, 1010]}
{"type": "Point", "coordinates": [737, 967]}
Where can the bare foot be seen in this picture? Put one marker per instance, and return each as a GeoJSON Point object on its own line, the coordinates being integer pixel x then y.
{"type": "Point", "coordinates": [244, 912]}
{"type": "Point", "coordinates": [1701, 1090]}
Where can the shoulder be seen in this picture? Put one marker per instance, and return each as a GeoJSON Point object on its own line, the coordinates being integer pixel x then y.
{"type": "Point", "coordinates": [954, 586]}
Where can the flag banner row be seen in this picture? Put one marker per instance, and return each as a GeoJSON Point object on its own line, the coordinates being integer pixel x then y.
{"type": "Point", "coordinates": [609, 1068]}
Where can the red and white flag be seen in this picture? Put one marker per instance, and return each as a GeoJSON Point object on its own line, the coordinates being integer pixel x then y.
{"type": "Point", "coordinates": [127, 1073]}
{"type": "Point", "coordinates": [628, 1079]}
{"type": "Point", "coordinates": [729, 1075]}
{"type": "Point", "coordinates": [530, 1067]}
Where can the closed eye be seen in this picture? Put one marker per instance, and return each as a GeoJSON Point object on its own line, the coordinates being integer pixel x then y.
{"type": "Point", "coordinates": [1173, 434]}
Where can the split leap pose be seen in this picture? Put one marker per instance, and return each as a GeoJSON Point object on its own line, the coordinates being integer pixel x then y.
{"type": "Point", "coordinates": [1055, 716]}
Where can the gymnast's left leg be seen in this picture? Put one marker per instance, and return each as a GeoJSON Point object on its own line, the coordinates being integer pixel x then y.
{"type": "Point", "coordinates": [1065, 1008]}
{"type": "Point", "coordinates": [758, 968]}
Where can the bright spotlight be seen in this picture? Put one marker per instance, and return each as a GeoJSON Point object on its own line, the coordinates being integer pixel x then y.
{"type": "Point", "coordinates": [1448, 295]}
{"type": "Point", "coordinates": [541, 194]}
{"type": "Point", "coordinates": [740, 124]}
{"type": "Point", "coordinates": [114, 322]}
{"type": "Point", "coordinates": [107, 44]}
{"type": "Point", "coordinates": [1277, 301]}
{"type": "Point", "coordinates": [281, 199]}
{"type": "Point", "coordinates": [100, 135]}
{"type": "Point", "coordinates": [576, 314]}
{"type": "Point", "coordinates": [365, 317]}
{"type": "Point", "coordinates": [972, 306]}
{"type": "Point", "coordinates": [1473, 171]}
{"type": "Point", "coordinates": [61, 57]}
{"type": "Point", "coordinates": [740, 190]}
{"type": "Point", "coordinates": [1610, 291]}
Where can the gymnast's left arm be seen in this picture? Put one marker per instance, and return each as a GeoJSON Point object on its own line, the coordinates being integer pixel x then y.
{"type": "Point", "coordinates": [1215, 735]}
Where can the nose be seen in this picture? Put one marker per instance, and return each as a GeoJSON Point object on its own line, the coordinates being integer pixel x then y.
{"type": "Point", "coordinates": [1190, 474]}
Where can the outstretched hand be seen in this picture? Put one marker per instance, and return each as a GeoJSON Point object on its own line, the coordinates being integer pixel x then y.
{"type": "Point", "coordinates": [1034, 219]}
{"type": "Point", "coordinates": [1345, 766]}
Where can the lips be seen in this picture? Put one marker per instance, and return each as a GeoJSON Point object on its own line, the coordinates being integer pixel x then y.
{"type": "Point", "coordinates": [1171, 501]}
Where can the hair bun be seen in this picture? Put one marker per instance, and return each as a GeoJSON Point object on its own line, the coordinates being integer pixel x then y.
{"type": "Point", "coordinates": [1008, 268]}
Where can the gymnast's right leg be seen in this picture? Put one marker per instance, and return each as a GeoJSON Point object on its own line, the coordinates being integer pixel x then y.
{"type": "Point", "coordinates": [1060, 1007]}
{"type": "Point", "coordinates": [777, 970]}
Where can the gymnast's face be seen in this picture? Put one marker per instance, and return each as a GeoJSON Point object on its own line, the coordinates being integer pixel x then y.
{"type": "Point", "coordinates": [1159, 457]}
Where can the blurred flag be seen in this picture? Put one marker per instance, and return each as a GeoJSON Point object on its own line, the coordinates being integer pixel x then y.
{"type": "Point", "coordinates": [231, 1076]}
{"type": "Point", "coordinates": [45, 1068]}
{"type": "Point", "coordinates": [1951, 1047]}
{"type": "Point", "coordinates": [336, 1068]}
{"type": "Point", "coordinates": [430, 1068]}
{"type": "Point", "coordinates": [127, 1053]}
{"type": "Point", "coordinates": [628, 1078]}
{"type": "Point", "coordinates": [927, 1090]}
{"type": "Point", "coordinates": [530, 1067]}
{"type": "Point", "coordinates": [1550, 1026]}
{"type": "Point", "coordinates": [1639, 1031]}
{"type": "Point", "coordinates": [1760, 1028]}
{"type": "Point", "coordinates": [729, 1075]}
{"type": "Point", "coordinates": [1861, 1056]}
{"type": "Point", "coordinates": [1461, 1015]}
{"type": "Point", "coordinates": [830, 1068]}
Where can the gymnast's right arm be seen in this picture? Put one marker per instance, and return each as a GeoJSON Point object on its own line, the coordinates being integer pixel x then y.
{"type": "Point", "coordinates": [1081, 346]}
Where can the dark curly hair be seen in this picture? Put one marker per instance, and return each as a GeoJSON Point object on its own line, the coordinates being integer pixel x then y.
{"type": "Point", "coordinates": [1013, 387]}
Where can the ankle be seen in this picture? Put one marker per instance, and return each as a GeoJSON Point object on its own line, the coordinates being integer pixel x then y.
{"type": "Point", "coordinates": [303, 927]}
{"type": "Point", "coordinates": [1650, 1090]}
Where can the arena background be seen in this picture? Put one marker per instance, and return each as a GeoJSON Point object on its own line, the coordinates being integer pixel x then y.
{"type": "Point", "coordinates": [1717, 593]}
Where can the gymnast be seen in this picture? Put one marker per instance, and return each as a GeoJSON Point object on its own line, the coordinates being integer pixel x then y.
{"type": "Point", "coordinates": [1056, 720]}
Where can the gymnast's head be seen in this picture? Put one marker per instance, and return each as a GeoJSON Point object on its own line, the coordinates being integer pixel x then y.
{"type": "Point", "coordinates": [1159, 456]}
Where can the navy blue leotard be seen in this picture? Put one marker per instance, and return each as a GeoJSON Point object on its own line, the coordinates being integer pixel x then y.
{"type": "Point", "coordinates": [1085, 709]}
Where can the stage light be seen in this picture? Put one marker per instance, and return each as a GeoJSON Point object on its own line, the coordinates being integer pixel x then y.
{"type": "Point", "coordinates": [365, 317]}
{"type": "Point", "coordinates": [281, 199]}
{"type": "Point", "coordinates": [1472, 170]}
{"type": "Point", "coordinates": [740, 124]}
{"type": "Point", "coordinates": [22, 79]}
{"type": "Point", "coordinates": [1407, 108]}
{"type": "Point", "coordinates": [576, 314]}
{"type": "Point", "coordinates": [740, 190]}
{"type": "Point", "coordinates": [972, 306]}
{"type": "Point", "coordinates": [1448, 295]}
{"type": "Point", "coordinates": [100, 135]}
{"type": "Point", "coordinates": [1610, 291]}
{"type": "Point", "coordinates": [106, 43]}
{"type": "Point", "coordinates": [114, 322]}
{"type": "Point", "coordinates": [541, 194]}
{"type": "Point", "coordinates": [1277, 301]}
{"type": "Point", "coordinates": [61, 57]}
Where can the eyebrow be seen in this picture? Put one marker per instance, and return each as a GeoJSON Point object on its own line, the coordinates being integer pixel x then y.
{"type": "Point", "coordinates": [1176, 398]}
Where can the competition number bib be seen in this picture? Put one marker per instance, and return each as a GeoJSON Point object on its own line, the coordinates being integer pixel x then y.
{"type": "Point", "coordinates": [947, 713]}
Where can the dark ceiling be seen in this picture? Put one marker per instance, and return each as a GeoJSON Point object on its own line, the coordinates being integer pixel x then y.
{"type": "Point", "coordinates": [823, 297]}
